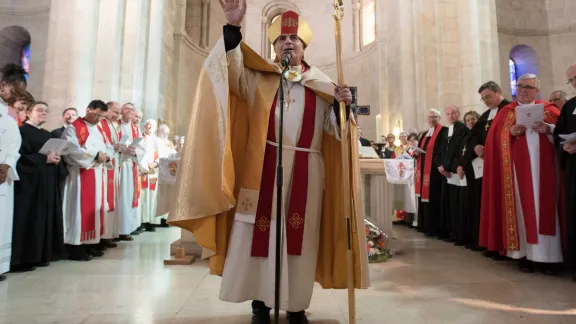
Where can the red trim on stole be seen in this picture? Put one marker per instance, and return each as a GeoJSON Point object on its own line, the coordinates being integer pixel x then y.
{"type": "Point", "coordinates": [428, 157]}
{"type": "Point", "coordinates": [137, 184]}
{"type": "Point", "coordinates": [110, 173]}
{"type": "Point", "coordinates": [87, 188]}
{"type": "Point", "coordinates": [295, 220]}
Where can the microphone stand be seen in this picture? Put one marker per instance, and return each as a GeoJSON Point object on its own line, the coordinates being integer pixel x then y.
{"type": "Point", "coordinates": [279, 196]}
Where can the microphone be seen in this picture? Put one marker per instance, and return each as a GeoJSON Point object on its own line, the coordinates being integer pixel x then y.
{"type": "Point", "coordinates": [286, 60]}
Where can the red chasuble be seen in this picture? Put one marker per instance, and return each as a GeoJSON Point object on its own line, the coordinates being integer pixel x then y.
{"type": "Point", "coordinates": [503, 154]}
{"type": "Point", "coordinates": [423, 181]}
{"type": "Point", "coordinates": [88, 190]}
{"type": "Point", "coordinates": [295, 219]}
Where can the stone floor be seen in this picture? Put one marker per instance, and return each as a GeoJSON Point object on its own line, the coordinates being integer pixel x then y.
{"type": "Point", "coordinates": [429, 282]}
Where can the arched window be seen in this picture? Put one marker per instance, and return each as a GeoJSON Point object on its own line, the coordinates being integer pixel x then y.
{"type": "Point", "coordinates": [15, 46]}
{"type": "Point", "coordinates": [368, 21]}
{"type": "Point", "coordinates": [513, 76]}
{"type": "Point", "coordinates": [272, 53]}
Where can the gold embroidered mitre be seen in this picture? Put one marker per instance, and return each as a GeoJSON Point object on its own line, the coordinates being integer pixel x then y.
{"type": "Point", "coordinates": [290, 23]}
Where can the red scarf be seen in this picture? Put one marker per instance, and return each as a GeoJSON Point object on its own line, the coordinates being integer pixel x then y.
{"type": "Point", "coordinates": [111, 173]}
{"type": "Point", "coordinates": [423, 186]}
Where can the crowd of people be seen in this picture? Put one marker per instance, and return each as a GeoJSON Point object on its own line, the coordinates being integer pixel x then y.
{"type": "Point", "coordinates": [493, 183]}
{"type": "Point", "coordinates": [73, 192]}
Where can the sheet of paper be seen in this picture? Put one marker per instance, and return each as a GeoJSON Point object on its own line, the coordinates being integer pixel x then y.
{"type": "Point", "coordinates": [419, 150]}
{"type": "Point", "coordinates": [528, 115]}
{"type": "Point", "coordinates": [478, 165]}
{"type": "Point", "coordinates": [367, 152]}
{"type": "Point", "coordinates": [404, 156]}
{"type": "Point", "coordinates": [56, 145]}
{"type": "Point", "coordinates": [456, 181]}
{"type": "Point", "coordinates": [568, 138]}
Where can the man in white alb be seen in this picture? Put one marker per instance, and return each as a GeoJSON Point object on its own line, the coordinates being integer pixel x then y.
{"type": "Point", "coordinates": [150, 177]}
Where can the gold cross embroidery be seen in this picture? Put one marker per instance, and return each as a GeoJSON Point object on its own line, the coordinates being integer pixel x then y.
{"type": "Point", "coordinates": [247, 204]}
{"type": "Point", "coordinates": [263, 224]}
{"type": "Point", "coordinates": [296, 221]}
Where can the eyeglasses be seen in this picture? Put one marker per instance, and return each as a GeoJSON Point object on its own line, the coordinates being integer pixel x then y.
{"type": "Point", "coordinates": [525, 87]}
{"type": "Point", "coordinates": [571, 80]}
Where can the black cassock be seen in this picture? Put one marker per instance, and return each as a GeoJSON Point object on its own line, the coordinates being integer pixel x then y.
{"type": "Point", "coordinates": [429, 212]}
{"type": "Point", "coordinates": [476, 137]}
{"type": "Point", "coordinates": [449, 158]}
{"type": "Point", "coordinates": [38, 234]}
{"type": "Point", "coordinates": [567, 125]}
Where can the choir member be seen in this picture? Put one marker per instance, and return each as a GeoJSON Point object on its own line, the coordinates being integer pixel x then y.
{"type": "Point", "coordinates": [136, 119]}
{"type": "Point", "coordinates": [69, 115]}
{"type": "Point", "coordinates": [567, 125]}
{"type": "Point", "coordinates": [448, 161]}
{"type": "Point", "coordinates": [428, 178]}
{"type": "Point", "coordinates": [522, 177]}
{"type": "Point", "coordinates": [111, 129]}
{"type": "Point", "coordinates": [469, 207]}
{"type": "Point", "coordinates": [85, 201]}
{"type": "Point", "coordinates": [10, 141]}
{"type": "Point", "coordinates": [38, 228]}
{"type": "Point", "coordinates": [389, 151]}
{"type": "Point", "coordinates": [129, 192]}
{"type": "Point", "coordinates": [149, 198]}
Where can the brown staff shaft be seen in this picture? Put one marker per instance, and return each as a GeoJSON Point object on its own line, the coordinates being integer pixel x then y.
{"type": "Point", "coordinates": [344, 132]}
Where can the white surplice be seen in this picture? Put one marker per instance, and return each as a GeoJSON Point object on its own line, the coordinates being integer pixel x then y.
{"type": "Point", "coordinates": [549, 248]}
{"type": "Point", "coordinates": [165, 149]}
{"type": "Point", "coordinates": [129, 216]}
{"type": "Point", "coordinates": [149, 198]}
{"type": "Point", "coordinates": [112, 219]}
{"type": "Point", "coordinates": [10, 141]}
{"type": "Point", "coordinates": [83, 157]}
{"type": "Point", "coordinates": [252, 278]}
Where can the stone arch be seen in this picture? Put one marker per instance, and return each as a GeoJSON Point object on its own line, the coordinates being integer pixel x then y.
{"type": "Point", "coordinates": [13, 40]}
{"type": "Point", "coordinates": [269, 12]}
{"type": "Point", "coordinates": [523, 59]}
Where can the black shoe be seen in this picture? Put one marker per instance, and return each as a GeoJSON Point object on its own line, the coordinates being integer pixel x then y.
{"type": "Point", "coordinates": [94, 252]}
{"type": "Point", "coordinates": [2, 277]}
{"type": "Point", "coordinates": [125, 238]}
{"type": "Point", "coordinates": [43, 264]}
{"type": "Point", "coordinates": [550, 269]}
{"type": "Point", "coordinates": [526, 266]}
{"type": "Point", "coordinates": [297, 318]}
{"type": "Point", "coordinates": [81, 258]}
{"type": "Point", "coordinates": [98, 247]}
{"type": "Point", "coordinates": [136, 232]}
{"type": "Point", "coordinates": [490, 254]}
{"type": "Point", "coordinates": [116, 240]}
{"type": "Point", "coordinates": [149, 227]}
{"type": "Point", "coordinates": [460, 243]}
{"type": "Point", "coordinates": [163, 223]}
{"type": "Point", "coordinates": [108, 243]}
{"type": "Point", "coordinates": [260, 313]}
{"type": "Point", "coordinates": [22, 268]}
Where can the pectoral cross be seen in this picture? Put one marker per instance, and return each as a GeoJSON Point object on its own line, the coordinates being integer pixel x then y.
{"type": "Point", "coordinates": [287, 101]}
{"type": "Point", "coordinates": [487, 126]}
{"type": "Point", "coordinates": [464, 151]}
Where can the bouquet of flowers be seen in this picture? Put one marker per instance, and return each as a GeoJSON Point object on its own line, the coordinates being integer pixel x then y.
{"type": "Point", "coordinates": [377, 243]}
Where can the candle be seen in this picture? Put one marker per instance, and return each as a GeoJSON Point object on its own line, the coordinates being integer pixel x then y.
{"type": "Point", "coordinates": [378, 128]}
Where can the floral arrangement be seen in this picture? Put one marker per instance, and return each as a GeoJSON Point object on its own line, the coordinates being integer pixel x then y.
{"type": "Point", "coordinates": [377, 244]}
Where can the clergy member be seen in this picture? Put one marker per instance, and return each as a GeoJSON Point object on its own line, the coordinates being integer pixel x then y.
{"type": "Point", "coordinates": [165, 149]}
{"type": "Point", "coordinates": [226, 182]}
{"type": "Point", "coordinates": [448, 162]}
{"type": "Point", "coordinates": [521, 184]}
{"type": "Point", "coordinates": [558, 98]}
{"type": "Point", "coordinates": [567, 125]}
{"type": "Point", "coordinates": [112, 131]}
{"type": "Point", "coordinates": [149, 178]}
{"type": "Point", "coordinates": [10, 141]}
{"type": "Point", "coordinates": [69, 115]}
{"type": "Point", "coordinates": [491, 95]}
{"type": "Point", "coordinates": [129, 192]}
{"type": "Point", "coordinates": [38, 197]}
{"type": "Point", "coordinates": [85, 203]}
{"type": "Point", "coordinates": [428, 178]}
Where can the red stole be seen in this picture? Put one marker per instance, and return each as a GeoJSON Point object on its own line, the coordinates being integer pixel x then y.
{"type": "Point", "coordinates": [136, 179]}
{"type": "Point", "coordinates": [423, 187]}
{"type": "Point", "coordinates": [110, 173]}
{"type": "Point", "coordinates": [295, 219]}
{"type": "Point", "coordinates": [505, 154]}
{"type": "Point", "coordinates": [88, 210]}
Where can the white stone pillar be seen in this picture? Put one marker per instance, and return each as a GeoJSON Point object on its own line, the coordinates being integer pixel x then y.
{"type": "Point", "coordinates": [153, 96]}
{"type": "Point", "coordinates": [69, 74]}
{"type": "Point", "coordinates": [134, 51]}
{"type": "Point", "coordinates": [205, 26]}
{"type": "Point", "coordinates": [109, 50]}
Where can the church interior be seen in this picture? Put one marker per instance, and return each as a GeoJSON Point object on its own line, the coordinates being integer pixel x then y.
{"type": "Point", "coordinates": [403, 59]}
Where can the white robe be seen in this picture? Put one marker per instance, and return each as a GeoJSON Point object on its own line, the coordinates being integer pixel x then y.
{"type": "Point", "coordinates": [149, 198]}
{"type": "Point", "coordinates": [10, 142]}
{"type": "Point", "coordinates": [83, 158]}
{"type": "Point", "coordinates": [252, 278]}
{"type": "Point", "coordinates": [129, 216]}
{"type": "Point", "coordinates": [549, 248]}
{"type": "Point", "coordinates": [112, 218]}
{"type": "Point", "coordinates": [165, 149]}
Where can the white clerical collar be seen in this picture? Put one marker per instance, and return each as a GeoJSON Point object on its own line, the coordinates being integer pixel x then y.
{"type": "Point", "coordinates": [430, 132]}
{"type": "Point", "coordinates": [492, 113]}
{"type": "Point", "coordinates": [29, 122]}
{"type": "Point", "coordinates": [450, 130]}
{"type": "Point", "coordinates": [522, 104]}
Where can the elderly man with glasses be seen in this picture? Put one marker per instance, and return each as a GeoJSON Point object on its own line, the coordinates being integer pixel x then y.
{"type": "Point", "coordinates": [521, 184]}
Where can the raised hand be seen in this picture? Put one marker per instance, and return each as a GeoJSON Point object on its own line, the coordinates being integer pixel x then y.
{"type": "Point", "coordinates": [234, 11]}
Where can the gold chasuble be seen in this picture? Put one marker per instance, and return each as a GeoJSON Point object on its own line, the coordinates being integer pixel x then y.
{"type": "Point", "coordinates": [222, 163]}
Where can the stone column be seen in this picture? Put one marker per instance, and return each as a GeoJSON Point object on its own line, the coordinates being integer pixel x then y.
{"type": "Point", "coordinates": [70, 57]}
{"type": "Point", "coordinates": [153, 96]}
{"type": "Point", "coordinates": [134, 51]}
{"type": "Point", "coordinates": [205, 27]}
{"type": "Point", "coordinates": [109, 50]}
